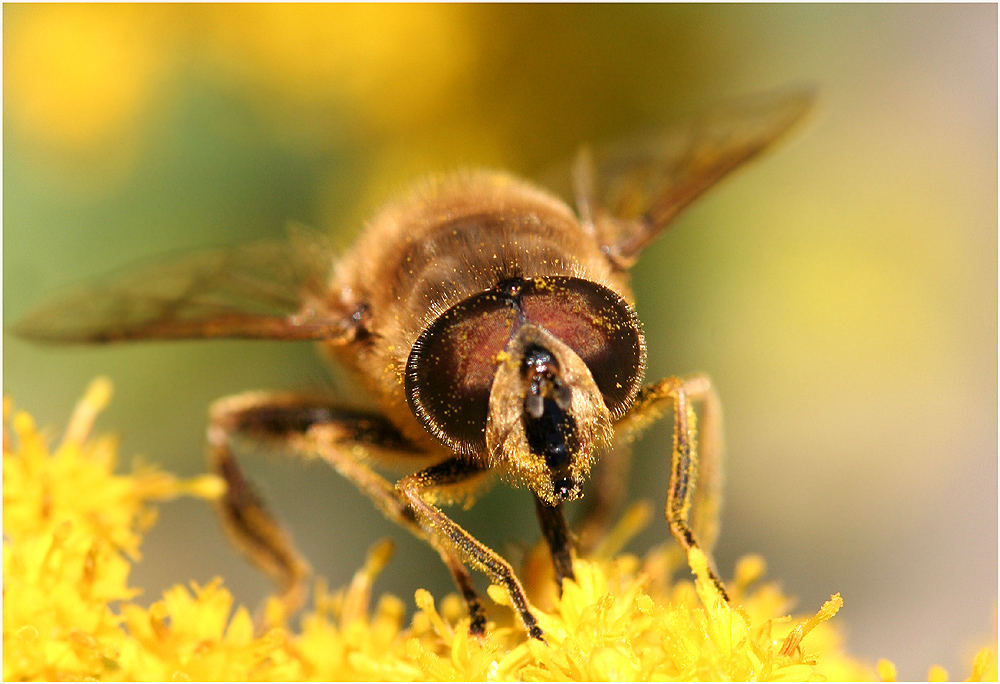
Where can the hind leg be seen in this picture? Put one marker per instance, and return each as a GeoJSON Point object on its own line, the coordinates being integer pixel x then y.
{"type": "Point", "coordinates": [310, 428]}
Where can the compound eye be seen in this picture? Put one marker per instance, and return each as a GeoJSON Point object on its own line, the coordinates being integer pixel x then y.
{"type": "Point", "coordinates": [450, 369]}
{"type": "Point", "coordinates": [600, 326]}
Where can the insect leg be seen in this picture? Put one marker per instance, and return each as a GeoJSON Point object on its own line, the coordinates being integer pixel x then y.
{"type": "Point", "coordinates": [443, 530]}
{"type": "Point", "coordinates": [244, 516]}
{"type": "Point", "coordinates": [324, 440]}
{"type": "Point", "coordinates": [557, 535]}
{"type": "Point", "coordinates": [309, 428]}
{"type": "Point", "coordinates": [685, 512]}
{"type": "Point", "coordinates": [707, 502]}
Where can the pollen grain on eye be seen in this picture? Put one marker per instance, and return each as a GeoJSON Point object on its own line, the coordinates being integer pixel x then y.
{"type": "Point", "coordinates": [71, 613]}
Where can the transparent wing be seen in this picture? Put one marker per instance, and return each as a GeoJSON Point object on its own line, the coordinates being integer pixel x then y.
{"type": "Point", "coordinates": [274, 290]}
{"type": "Point", "coordinates": [629, 192]}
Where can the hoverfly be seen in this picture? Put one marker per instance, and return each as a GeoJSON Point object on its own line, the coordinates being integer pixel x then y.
{"type": "Point", "coordinates": [493, 324]}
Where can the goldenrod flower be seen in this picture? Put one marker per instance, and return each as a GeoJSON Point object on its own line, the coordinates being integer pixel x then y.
{"type": "Point", "coordinates": [69, 610]}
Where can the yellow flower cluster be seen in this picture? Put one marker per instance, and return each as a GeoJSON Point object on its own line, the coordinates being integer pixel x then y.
{"type": "Point", "coordinates": [71, 530]}
{"type": "Point", "coordinates": [69, 611]}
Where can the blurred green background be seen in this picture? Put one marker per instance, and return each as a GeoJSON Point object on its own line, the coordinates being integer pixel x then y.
{"type": "Point", "coordinates": [842, 292]}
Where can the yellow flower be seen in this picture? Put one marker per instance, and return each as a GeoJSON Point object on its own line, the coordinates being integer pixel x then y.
{"type": "Point", "coordinates": [67, 557]}
{"type": "Point", "coordinates": [68, 610]}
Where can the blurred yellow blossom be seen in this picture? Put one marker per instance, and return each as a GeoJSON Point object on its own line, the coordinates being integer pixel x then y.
{"type": "Point", "coordinates": [69, 611]}
{"type": "Point", "coordinates": [380, 63]}
{"type": "Point", "coordinates": [86, 83]}
{"type": "Point", "coordinates": [80, 77]}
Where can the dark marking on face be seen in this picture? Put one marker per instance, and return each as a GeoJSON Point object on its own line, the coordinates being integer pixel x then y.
{"type": "Point", "coordinates": [548, 424]}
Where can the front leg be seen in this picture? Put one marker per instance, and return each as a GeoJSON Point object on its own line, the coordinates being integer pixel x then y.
{"type": "Point", "coordinates": [444, 531]}
{"type": "Point", "coordinates": [686, 469]}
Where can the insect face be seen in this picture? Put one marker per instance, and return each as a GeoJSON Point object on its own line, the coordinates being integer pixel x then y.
{"type": "Point", "coordinates": [529, 377]}
{"type": "Point", "coordinates": [547, 416]}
